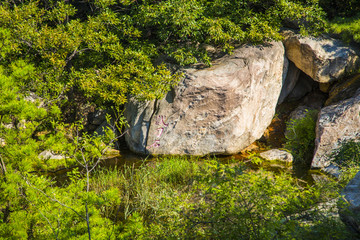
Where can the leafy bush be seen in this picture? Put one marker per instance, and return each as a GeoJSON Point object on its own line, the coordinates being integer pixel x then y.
{"type": "Point", "coordinates": [233, 203]}
{"type": "Point", "coordinates": [348, 155]}
{"type": "Point", "coordinates": [348, 28]}
{"type": "Point", "coordinates": [209, 201]}
{"type": "Point", "coordinates": [300, 140]}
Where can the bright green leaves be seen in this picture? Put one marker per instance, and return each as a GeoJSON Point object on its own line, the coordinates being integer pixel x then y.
{"type": "Point", "coordinates": [21, 117]}
{"type": "Point", "coordinates": [99, 55]}
{"type": "Point", "coordinates": [182, 26]}
{"type": "Point", "coordinates": [45, 211]}
{"type": "Point", "coordinates": [349, 28]}
{"type": "Point", "coordinates": [113, 83]}
{"type": "Point", "coordinates": [61, 12]}
{"type": "Point", "coordinates": [7, 46]}
{"type": "Point", "coordinates": [300, 140]}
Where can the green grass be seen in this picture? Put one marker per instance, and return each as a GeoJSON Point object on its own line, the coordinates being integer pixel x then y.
{"type": "Point", "coordinates": [178, 198]}
{"type": "Point", "coordinates": [348, 28]}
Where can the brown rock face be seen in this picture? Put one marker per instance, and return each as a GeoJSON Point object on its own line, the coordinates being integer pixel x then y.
{"type": "Point", "coordinates": [337, 124]}
{"type": "Point", "coordinates": [344, 90]}
{"type": "Point", "coordinates": [323, 59]}
{"type": "Point", "coordinates": [218, 110]}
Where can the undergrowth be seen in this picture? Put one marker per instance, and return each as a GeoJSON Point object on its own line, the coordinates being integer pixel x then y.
{"type": "Point", "coordinates": [176, 198]}
{"type": "Point", "coordinates": [300, 138]}
{"type": "Point", "coordinates": [347, 155]}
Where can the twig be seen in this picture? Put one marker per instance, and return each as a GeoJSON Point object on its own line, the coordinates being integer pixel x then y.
{"type": "Point", "coordinates": [53, 230]}
{"type": "Point", "coordinates": [53, 199]}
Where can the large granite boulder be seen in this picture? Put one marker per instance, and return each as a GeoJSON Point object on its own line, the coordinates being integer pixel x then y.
{"type": "Point", "coordinates": [337, 124]}
{"type": "Point", "coordinates": [323, 59]}
{"type": "Point", "coordinates": [216, 110]}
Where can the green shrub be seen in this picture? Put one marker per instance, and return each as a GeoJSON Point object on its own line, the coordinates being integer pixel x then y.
{"type": "Point", "coordinates": [229, 202]}
{"type": "Point", "coordinates": [300, 140]}
{"type": "Point", "coordinates": [152, 201]}
{"type": "Point", "coordinates": [176, 170]}
{"type": "Point", "coordinates": [348, 155]}
{"type": "Point", "coordinates": [348, 28]}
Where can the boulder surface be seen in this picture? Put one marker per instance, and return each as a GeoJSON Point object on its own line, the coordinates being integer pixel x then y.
{"type": "Point", "coordinates": [216, 110]}
{"type": "Point", "coordinates": [277, 154]}
{"type": "Point", "coordinates": [350, 213]}
{"type": "Point", "coordinates": [290, 81]}
{"type": "Point", "coordinates": [344, 90]}
{"type": "Point", "coordinates": [323, 59]}
{"type": "Point", "coordinates": [337, 124]}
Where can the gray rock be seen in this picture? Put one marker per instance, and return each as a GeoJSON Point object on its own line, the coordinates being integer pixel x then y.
{"type": "Point", "coordinates": [104, 126]}
{"type": "Point", "coordinates": [299, 112]}
{"type": "Point", "coordinates": [290, 81]}
{"type": "Point", "coordinates": [277, 154]}
{"type": "Point", "coordinates": [314, 100]}
{"type": "Point", "coordinates": [303, 86]}
{"type": "Point", "coordinates": [333, 170]}
{"type": "Point", "coordinates": [217, 110]}
{"type": "Point", "coordinates": [336, 125]}
{"type": "Point", "coordinates": [350, 209]}
{"type": "Point", "coordinates": [32, 97]}
{"type": "Point", "coordinates": [49, 155]}
{"type": "Point", "coordinates": [99, 117]}
{"type": "Point", "coordinates": [320, 178]}
{"type": "Point", "coordinates": [323, 59]}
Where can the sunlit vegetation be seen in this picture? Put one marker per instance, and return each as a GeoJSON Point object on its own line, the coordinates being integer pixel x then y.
{"type": "Point", "coordinates": [56, 56]}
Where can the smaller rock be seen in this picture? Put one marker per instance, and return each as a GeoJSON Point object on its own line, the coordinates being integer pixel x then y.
{"type": "Point", "coordinates": [209, 48]}
{"type": "Point", "coordinates": [277, 154]}
{"type": "Point", "coordinates": [337, 124]}
{"type": "Point", "coordinates": [320, 178]}
{"type": "Point", "coordinates": [99, 117]}
{"type": "Point", "coordinates": [333, 170]}
{"type": "Point", "coordinates": [350, 213]}
{"type": "Point", "coordinates": [33, 98]}
{"type": "Point", "coordinates": [299, 112]}
{"type": "Point", "coordinates": [111, 153]}
{"type": "Point", "coordinates": [47, 155]}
